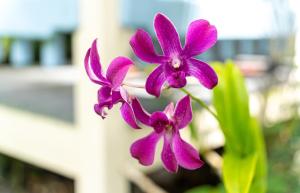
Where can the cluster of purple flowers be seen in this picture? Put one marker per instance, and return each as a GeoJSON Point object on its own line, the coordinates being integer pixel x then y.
{"type": "Point", "coordinates": [174, 66]}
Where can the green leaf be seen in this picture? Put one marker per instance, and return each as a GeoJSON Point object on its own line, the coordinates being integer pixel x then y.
{"type": "Point", "coordinates": [259, 184]}
{"type": "Point", "coordinates": [231, 102]}
{"type": "Point", "coordinates": [238, 172]}
{"type": "Point", "coordinates": [207, 189]}
{"type": "Point", "coordinates": [244, 166]}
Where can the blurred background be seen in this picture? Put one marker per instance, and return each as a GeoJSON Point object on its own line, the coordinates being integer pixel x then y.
{"type": "Point", "coordinates": [51, 141]}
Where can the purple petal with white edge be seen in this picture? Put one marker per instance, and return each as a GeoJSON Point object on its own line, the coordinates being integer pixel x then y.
{"type": "Point", "coordinates": [155, 81]}
{"type": "Point", "coordinates": [144, 149]}
{"type": "Point", "coordinates": [100, 111]}
{"type": "Point", "coordinates": [139, 112]}
{"type": "Point", "coordinates": [169, 110]}
{"type": "Point", "coordinates": [95, 60]}
{"type": "Point", "coordinates": [116, 97]}
{"type": "Point", "coordinates": [124, 94]}
{"type": "Point", "coordinates": [128, 115]}
{"type": "Point", "coordinates": [183, 114]}
{"type": "Point", "coordinates": [90, 72]}
{"type": "Point", "coordinates": [177, 79]}
{"type": "Point", "coordinates": [200, 37]}
{"type": "Point", "coordinates": [186, 155]}
{"type": "Point", "coordinates": [167, 155]}
{"type": "Point", "coordinates": [167, 35]}
{"type": "Point", "coordinates": [104, 94]}
{"type": "Point", "coordinates": [203, 72]}
{"type": "Point", "coordinates": [104, 100]}
{"type": "Point", "coordinates": [100, 108]}
{"type": "Point", "coordinates": [159, 121]}
{"type": "Point", "coordinates": [117, 70]}
{"type": "Point", "coordinates": [143, 47]}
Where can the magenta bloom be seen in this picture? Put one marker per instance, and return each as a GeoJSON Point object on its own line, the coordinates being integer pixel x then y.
{"type": "Point", "coordinates": [166, 125]}
{"type": "Point", "coordinates": [176, 63]}
{"type": "Point", "coordinates": [111, 91]}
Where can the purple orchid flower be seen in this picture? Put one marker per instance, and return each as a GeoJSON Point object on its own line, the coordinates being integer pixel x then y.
{"type": "Point", "coordinates": [177, 63]}
{"type": "Point", "coordinates": [111, 91]}
{"type": "Point", "coordinates": [166, 125]}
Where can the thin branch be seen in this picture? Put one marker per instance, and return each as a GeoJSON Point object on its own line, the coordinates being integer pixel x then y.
{"type": "Point", "coordinates": [200, 102]}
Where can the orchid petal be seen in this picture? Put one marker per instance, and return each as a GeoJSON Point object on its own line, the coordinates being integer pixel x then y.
{"type": "Point", "coordinates": [177, 79]}
{"type": "Point", "coordinates": [186, 155]}
{"type": "Point", "coordinates": [142, 115]}
{"type": "Point", "coordinates": [159, 121]}
{"type": "Point", "coordinates": [104, 101]}
{"type": "Point", "coordinates": [155, 81]}
{"type": "Point", "coordinates": [100, 111]}
{"type": "Point", "coordinates": [104, 94]}
{"type": "Point", "coordinates": [203, 72]}
{"type": "Point", "coordinates": [143, 47]}
{"type": "Point", "coordinates": [116, 97]}
{"type": "Point", "coordinates": [100, 108]}
{"type": "Point", "coordinates": [169, 110]}
{"type": "Point", "coordinates": [93, 77]}
{"type": "Point", "coordinates": [167, 155]}
{"type": "Point", "coordinates": [167, 35]}
{"type": "Point", "coordinates": [144, 149]}
{"type": "Point", "coordinates": [128, 115]}
{"type": "Point", "coordinates": [117, 70]}
{"type": "Point", "coordinates": [183, 112]}
{"type": "Point", "coordinates": [200, 37]}
{"type": "Point", "coordinates": [95, 61]}
{"type": "Point", "coordinates": [124, 94]}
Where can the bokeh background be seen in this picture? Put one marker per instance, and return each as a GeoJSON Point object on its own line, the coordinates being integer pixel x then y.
{"type": "Point", "coordinates": [51, 141]}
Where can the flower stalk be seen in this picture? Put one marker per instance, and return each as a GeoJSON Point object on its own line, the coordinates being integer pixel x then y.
{"type": "Point", "coordinates": [201, 103]}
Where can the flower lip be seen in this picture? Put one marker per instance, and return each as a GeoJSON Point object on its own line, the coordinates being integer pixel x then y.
{"type": "Point", "coordinates": [177, 79]}
{"type": "Point", "coordinates": [159, 121]}
{"type": "Point", "coordinates": [163, 121]}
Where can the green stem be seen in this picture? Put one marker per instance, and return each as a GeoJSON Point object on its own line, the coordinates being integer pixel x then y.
{"type": "Point", "coordinates": [200, 102]}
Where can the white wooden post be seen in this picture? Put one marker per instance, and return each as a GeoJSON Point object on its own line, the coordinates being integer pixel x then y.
{"type": "Point", "coordinates": [104, 148]}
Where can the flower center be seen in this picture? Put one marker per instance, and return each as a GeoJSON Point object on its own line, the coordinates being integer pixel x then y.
{"type": "Point", "coordinates": [169, 132]}
{"type": "Point", "coordinates": [168, 128]}
{"type": "Point", "coordinates": [176, 62]}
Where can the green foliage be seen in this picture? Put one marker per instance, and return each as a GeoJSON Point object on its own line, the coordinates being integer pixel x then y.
{"type": "Point", "coordinates": [283, 141]}
{"type": "Point", "coordinates": [244, 166]}
{"type": "Point", "coordinates": [207, 189]}
{"type": "Point", "coordinates": [6, 42]}
{"type": "Point", "coordinates": [238, 172]}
